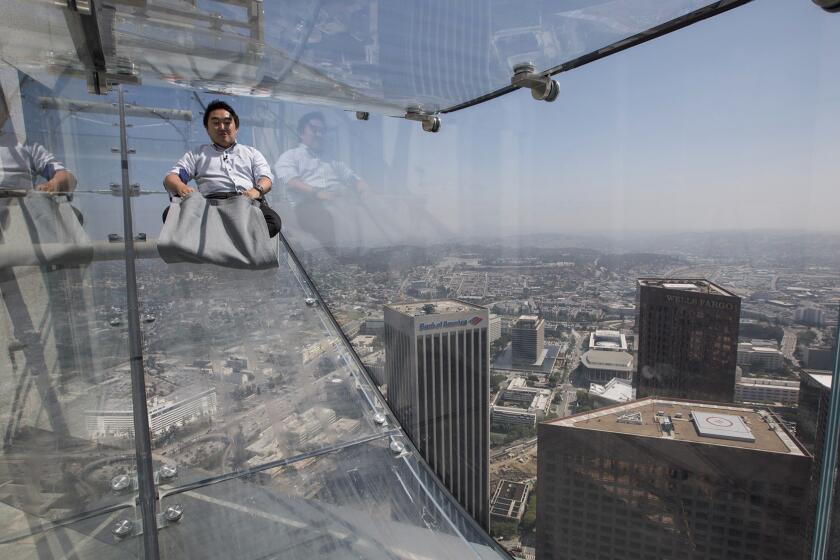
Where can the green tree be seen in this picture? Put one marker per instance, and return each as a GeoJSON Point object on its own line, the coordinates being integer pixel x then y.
{"type": "Point", "coordinates": [806, 338]}
{"type": "Point", "coordinates": [529, 520]}
{"type": "Point", "coordinates": [584, 403]}
{"type": "Point", "coordinates": [496, 379]}
{"type": "Point", "coordinates": [503, 529]}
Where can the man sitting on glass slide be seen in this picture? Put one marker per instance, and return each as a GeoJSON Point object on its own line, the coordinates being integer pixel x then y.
{"type": "Point", "coordinates": [21, 164]}
{"type": "Point", "coordinates": [224, 168]}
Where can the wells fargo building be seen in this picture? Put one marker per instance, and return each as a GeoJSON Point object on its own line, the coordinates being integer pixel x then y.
{"type": "Point", "coordinates": [687, 339]}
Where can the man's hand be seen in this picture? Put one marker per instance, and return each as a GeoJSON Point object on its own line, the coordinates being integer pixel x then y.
{"type": "Point", "coordinates": [175, 186]}
{"type": "Point", "coordinates": [362, 188]}
{"type": "Point", "coordinates": [252, 193]}
{"type": "Point", "coordinates": [62, 181]}
{"type": "Point", "coordinates": [48, 187]}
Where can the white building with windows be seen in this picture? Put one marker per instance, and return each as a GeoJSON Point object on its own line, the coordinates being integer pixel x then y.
{"type": "Point", "coordinates": [163, 415]}
{"type": "Point", "coordinates": [494, 328]}
{"type": "Point", "coordinates": [759, 357]}
{"type": "Point", "coordinates": [766, 391]}
{"type": "Point", "coordinates": [809, 316]}
{"type": "Point", "coordinates": [535, 404]}
{"type": "Point", "coordinates": [616, 390]}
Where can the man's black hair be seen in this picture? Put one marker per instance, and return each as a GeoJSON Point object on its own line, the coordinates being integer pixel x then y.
{"type": "Point", "coordinates": [307, 118]}
{"type": "Point", "coordinates": [219, 104]}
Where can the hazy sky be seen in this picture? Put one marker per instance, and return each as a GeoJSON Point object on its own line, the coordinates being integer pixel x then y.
{"type": "Point", "coordinates": [731, 123]}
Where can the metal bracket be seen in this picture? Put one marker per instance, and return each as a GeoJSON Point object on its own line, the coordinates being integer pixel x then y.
{"type": "Point", "coordinates": [430, 123]}
{"type": "Point", "coordinates": [92, 31]}
{"type": "Point", "coordinates": [125, 482]}
{"type": "Point", "coordinates": [397, 447]}
{"type": "Point", "coordinates": [542, 87]}
{"type": "Point", "coordinates": [829, 5]}
{"type": "Point", "coordinates": [116, 190]}
{"type": "Point", "coordinates": [124, 528]}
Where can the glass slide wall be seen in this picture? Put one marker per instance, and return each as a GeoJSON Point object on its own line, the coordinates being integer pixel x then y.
{"type": "Point", "coordinates": [604, 327]}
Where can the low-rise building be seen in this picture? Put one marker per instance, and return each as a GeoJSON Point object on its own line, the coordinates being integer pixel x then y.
{"type": "Point", "coordinates": [375, 327]}
{"type": "Point", "coordinates": [603, 339]}
{"type": "Point", "coordinates": [494, 328]}
{"type": "Point", "coordinates": [617, 390]}
{"type": "Point", "coordinates": [363, 343]}
{"type": "Point", "coordinates": [164, 414]}
{"type": "Point", "coordinates": [819, 358]}
{"type": "Point", "coordinates": [534, 402]}
{"type": "Point", "coordinates": [759, 357]}
{"type": "Point", "coordinates": [809, 316]}
{"type": "Point", "coordinates": [509, 500]}
{"type": "Point", "coordinates": [512, 416]}
{"type": "Point", "coordinates": [599, 365]}
{"type": "Point", "coordinates": [766, 391]}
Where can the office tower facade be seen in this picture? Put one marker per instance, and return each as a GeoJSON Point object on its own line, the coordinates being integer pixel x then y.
{"type": "Point", "coordinates": [437, 366]}
{"type": "Point", "coordinates": [527, 335]}
{"type": "Point", "coordinates": [495, 328]}
{"type": "Point", "coordinates": [809, 316]}
{"type": "Point", "coordinates": [811, 423]}
{"type": "Point", "coordinates": [671, 479]}
{"type": "Point", "coordinates": [687, 339]}
{"type": "Point", "coordinates": [819, 358]}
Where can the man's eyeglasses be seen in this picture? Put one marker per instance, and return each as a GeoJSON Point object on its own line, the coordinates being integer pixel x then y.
{"type": "Point", "coordinates": [225, 123]}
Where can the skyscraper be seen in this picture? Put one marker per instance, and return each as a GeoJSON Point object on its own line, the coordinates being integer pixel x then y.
{"type": "Point", "coordinates": [670, 479]}
{"type": "Point", "coordinates": [437, 366]}
{"type": "Point", "coordinates": [811, 424]}
{"type": "Point", "coordinates": [687, 339]}
{"type": "Point", "coordinates": [527, 336]}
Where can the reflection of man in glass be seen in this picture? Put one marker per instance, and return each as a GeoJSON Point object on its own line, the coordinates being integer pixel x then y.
{"type": "Point", "coordinates": [22, 164]}
{"type": "Point", "coordinates": [311, 180]}
{"type": "Point", "coordinates": [224, 168]}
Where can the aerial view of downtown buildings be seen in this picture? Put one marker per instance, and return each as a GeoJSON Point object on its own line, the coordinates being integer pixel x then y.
{"type": "Point", "coordinates": [640, 405]}
{"type": "Point", "coordinates": [576, 402]}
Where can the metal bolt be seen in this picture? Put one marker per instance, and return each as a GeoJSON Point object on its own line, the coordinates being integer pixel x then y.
{"type": "Point", "coordinates": [120, 482]}
{"type": "Point", "coordinates": [174, 513]}
{"type": "Point", "coordinates": [380, 419]}
{"type": "Point", "coordinates": [168, 471]}
{"type": "Point", "coordinates": [123, 528]}
{"type": "Point", "coordinates": [397, 447]}
{"type": "Point", "coordinates": [431, 124]}
{"type": "Point", "coordinates": [524, 68]}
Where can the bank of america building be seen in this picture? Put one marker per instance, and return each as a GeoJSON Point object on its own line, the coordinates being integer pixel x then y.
{"type": "Point", "coordinates": [437, 369]}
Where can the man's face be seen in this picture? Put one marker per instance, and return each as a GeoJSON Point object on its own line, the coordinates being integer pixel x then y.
{"type": "Point", "coordinates": [221, 127]}
{"type": "Point", "coordinates": [313, 134]}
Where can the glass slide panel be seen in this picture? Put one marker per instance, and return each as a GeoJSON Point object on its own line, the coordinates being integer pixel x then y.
{"type": "Point", "coordinates": [242, 367]}
{"type": "Point", "coordinates": [361, 501]}
{"type": "Point", "coordinates": [370, 55]}
{"type": "Point", "coordinates": [91, 537]}
{"type": "Point", "coordinates": [382, 55]}
{"type": "Point", "coordinates": [67, 461]}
